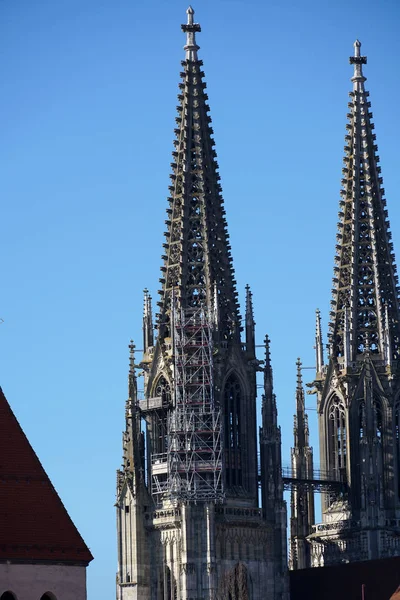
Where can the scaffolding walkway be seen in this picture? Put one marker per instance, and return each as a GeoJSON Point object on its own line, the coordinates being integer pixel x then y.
{"type": "Point", "coordinates": [193, 462]}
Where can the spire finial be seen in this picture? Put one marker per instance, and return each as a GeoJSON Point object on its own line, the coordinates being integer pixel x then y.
{"type": "Point", "coordinates": [190, 28]}
{"type": "Point", "coordinates": [357, 60]}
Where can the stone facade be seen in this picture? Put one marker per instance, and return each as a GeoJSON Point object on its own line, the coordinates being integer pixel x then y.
{"type": "Point", "coordinates": [31, 582]}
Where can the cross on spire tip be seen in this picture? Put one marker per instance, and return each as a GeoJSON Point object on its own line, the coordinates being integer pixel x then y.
{"type": "Point", "coordinates": [191, 28]}
{"type": "Point", "coordinates": [357, 60]}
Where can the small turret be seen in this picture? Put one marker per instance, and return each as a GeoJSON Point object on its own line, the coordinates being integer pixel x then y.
{"type": "Point", "coordinates": [302, 498]}
{"type": "Point", "coordinates": [250, 324]}
{"type": "Point", "coordinates": [132, 437]}
{"type": "Point", "coordinates": [148, 328]}
{"type": "Point", "coordinates": [268, 400]}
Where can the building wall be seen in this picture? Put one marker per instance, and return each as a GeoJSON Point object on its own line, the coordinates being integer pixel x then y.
{"type": "Point", "coordinates": [380, 578]}
{"type": "Point", "coordinates": [30, 582]}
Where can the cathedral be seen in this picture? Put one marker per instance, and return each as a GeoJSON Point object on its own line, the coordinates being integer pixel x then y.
{"type": "Point", "coordinates": [200, 507]}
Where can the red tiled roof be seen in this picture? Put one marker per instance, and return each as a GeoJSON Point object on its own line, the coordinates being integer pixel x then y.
{"type": "Point", "coordinates": [34, 524]}
{"type": "Point", "coordinates": [396, 595]}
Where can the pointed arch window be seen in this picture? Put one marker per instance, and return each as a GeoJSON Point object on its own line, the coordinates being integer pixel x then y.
{"type": "Point", "coordinates": [163, 391]}
{"type": "Point", "coordinates": [337, 436]}
{"type": "Point", "coordinates": [8, 596]}
{"type": "Point", "coordinates": [232, 430]}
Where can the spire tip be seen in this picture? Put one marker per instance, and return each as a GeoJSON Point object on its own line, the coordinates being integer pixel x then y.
{"type": "Point", "coordinates": [357, 61]}
{"type": "Point", "coordinates": [191, 28]}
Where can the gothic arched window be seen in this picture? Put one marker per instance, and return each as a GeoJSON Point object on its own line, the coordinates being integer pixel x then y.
{"type": "Point", "coordinates": [8, 596]}
{"type": "Point", "coordinates": [232, 433]}
{"type": "Point", "coordinates": [337, 436]}
{"type": "Point", "coordinates": [163, 390]}
{"type": "Point", "coordinates": [48, 596]}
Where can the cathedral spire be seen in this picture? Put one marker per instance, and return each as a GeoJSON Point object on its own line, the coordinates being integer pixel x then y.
{"type": "Point", "coordinates": [365, 279]}
{"type": "Point", "coordinates": [197, 258]}
{"type": "Point", "coordinates": [357, 392]}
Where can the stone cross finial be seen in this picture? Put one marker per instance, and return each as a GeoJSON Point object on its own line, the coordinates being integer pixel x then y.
{"type": "Point", "coordinates": [357, 60]}
{"type": "Point", "coordinates": [190, 28]}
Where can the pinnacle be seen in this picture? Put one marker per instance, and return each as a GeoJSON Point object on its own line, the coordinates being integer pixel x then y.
{"type": "Point", "coordinates": [299, 378]}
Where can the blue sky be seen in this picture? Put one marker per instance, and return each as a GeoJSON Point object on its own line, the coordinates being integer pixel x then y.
{"type": "Point", "coordinates": [87, 97]}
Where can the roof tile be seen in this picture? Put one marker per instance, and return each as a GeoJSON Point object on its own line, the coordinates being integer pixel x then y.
{"type": "Point", "coordinates": [34, 523]}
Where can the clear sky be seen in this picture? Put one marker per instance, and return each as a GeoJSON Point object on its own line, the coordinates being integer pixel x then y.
{"type": "Point", "coordinates": [87, 102]}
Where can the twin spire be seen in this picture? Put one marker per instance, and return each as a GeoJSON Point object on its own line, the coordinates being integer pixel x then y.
{"type": "Point", "coordinates": [365, 309]}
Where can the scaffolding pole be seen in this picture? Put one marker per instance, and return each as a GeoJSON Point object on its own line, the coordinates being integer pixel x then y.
{"type": "Point", "coordinates": [194, 424]}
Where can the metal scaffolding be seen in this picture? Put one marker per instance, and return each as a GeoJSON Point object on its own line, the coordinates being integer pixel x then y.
{"type": "Point", "coordinates": [194, 425]}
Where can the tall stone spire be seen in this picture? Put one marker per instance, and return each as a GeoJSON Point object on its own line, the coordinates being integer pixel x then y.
{"type": "Point", "coordinates": [197, 251]}
{"type": "Point", "coordinates": [358, 410]}
{"type": "Point", "coordinates": [190, 524]}
{"type": "Point", "coordinates": [365, 279]}
{"type": "Point", "coordinates": [302, 498]}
